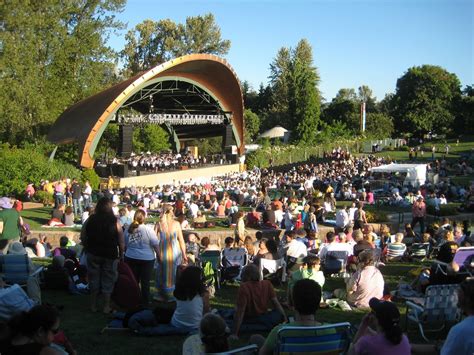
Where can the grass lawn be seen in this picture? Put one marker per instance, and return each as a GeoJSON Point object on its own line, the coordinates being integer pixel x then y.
{"type": "Point", "coordinates": [84, 328]}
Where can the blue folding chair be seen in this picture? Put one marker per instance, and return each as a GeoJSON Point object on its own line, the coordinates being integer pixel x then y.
{"type": "Point", "coordinates": [325, 339]}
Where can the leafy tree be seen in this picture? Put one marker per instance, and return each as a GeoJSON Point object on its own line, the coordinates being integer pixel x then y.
{"type": "Point", "coordinates": [151, 43]}
{"type": "Point", "coordinates": [53, 53]}
{"type": "Point", "coordinates": [279, 80]}
{"type": "Point", "coordinates": [464, 122]}
{"type": "Point", "coordinates": [379, 125]}
{"type": "Point", "coordinates": [343, 108]}
{"type": "Point", "coordinates": [425, 100]}
{"type": "Point", "coordinates": [366, 95]}
{"type": "Point", "coordinates": [151, 138]}
{"type": "Point", "coordinates": [252, 125]}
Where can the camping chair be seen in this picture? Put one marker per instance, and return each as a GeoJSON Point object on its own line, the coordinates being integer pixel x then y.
{"type": "Point", "coordinates": [463, 258]}
{"type": "Point", "coordinates": [214, 257]}
{"type": "Point", "coordinates": [440, 307]}
{"type": "Point", "coordinates": [15, 269]}
{"type": "Point", "coordinates": [233, 260]}
{"type": "Point", "coordinates": [325, 339]}
{"type": "Point", "coordinates": [273, 267]}
{"type": "Point", "coordinates": [244, 350]}
{"type": "Point", "coordinates": [419, 250]}
{"type": "Point", "coordinates": [335, 262]}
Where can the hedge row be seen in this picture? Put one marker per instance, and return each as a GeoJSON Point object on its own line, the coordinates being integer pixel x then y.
{"type": "Point", "coordinates": [19, 167]}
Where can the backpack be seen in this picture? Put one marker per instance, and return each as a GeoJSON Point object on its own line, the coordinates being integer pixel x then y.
{"type": "Point", "coordinates": [209, 276]}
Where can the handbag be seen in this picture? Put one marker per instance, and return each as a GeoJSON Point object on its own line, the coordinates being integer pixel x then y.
{"type": "Point", "coordinates": [14, 300]}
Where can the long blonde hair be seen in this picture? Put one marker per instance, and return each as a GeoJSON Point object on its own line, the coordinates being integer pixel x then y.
{"type": "Point", "coordinates": [167, 217]}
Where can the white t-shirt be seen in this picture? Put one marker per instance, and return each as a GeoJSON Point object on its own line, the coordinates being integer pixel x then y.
{"type": "Point", "coordinates": [296, 249]}
{"type": "Point", "coordinates": [188, 313]}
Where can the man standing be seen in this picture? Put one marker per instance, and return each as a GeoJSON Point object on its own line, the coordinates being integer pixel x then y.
{"type": "Point", "coordinates": [419, 214]}
{"type": "Point", "coordinates": [76, 190]}
{"type": "Point", "coordinates": [342, 218]}
{"type": "Point", "coordinates": [12, 223]}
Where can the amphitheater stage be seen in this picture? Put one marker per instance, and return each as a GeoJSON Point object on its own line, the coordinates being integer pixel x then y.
{"type": "Point", "coordinates": [178, 176]}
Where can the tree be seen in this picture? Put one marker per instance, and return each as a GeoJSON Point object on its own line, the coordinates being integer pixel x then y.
{"type": "Point", "coordinates": [252, 125]}
{"type": "Point", "coordinates": [250, 96]}
{"type": "Point", "coordinates": [296, 100]}
{"type": "Point", "coordinates": [464, 122]}
{"type": "Point", "coordinates": [366, 95]}
{"type": "Point", "coordinates": [151, 43]}
{"type": "Point", "coordinates": [379, 125]}
{"type": "Point", "coordinates": [52, 54]}
{"type": "Point", "coordinates": [425, 100]}
{"type": "Point", "coordinates": [151, 138]}
{"type": "Point", "coordinates": [343, 108]}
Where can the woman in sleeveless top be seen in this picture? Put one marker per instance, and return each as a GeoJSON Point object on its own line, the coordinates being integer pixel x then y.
{"type": "Point", "coordinates": [172, 252]}
{"type": "Point", "coordinates": [359, 216]}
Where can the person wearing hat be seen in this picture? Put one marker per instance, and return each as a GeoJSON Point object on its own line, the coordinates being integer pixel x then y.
{"type": "Point", "coordinates": [380, 332]}
{"type": "Point", "coordinates": [12, 223]}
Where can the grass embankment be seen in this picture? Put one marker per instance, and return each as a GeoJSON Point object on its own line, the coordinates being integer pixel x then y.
{"type": "Point", "coordinates": [83, 328]}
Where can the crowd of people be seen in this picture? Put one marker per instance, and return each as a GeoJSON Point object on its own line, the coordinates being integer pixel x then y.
{"type": "Point", "coordinates": [119, 253]}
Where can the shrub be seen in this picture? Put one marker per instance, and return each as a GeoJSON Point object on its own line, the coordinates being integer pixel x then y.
{"type": "Point", "coordinates": [18, 167]}
{"type": "Point", "coordinates": [92, 177]}
{"type": "Point", "coordinates": [44, 197]}
{"type": "Point", "coordinates": [376, 216]}
{"type": "Point", "coordinates": [445, 210]}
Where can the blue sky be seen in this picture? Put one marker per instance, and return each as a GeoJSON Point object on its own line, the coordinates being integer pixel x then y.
{"type": "Point", "coordinates": [358, 42]}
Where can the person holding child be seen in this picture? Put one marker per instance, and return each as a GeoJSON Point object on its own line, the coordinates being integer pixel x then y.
{"type": "Point", "coordinates": [309, 270]}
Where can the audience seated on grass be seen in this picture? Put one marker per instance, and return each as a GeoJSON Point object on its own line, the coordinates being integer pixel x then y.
{"type": "Point", "coordinates": [396, 250]}
{"type": "Point", "coordinates": [367, 282]}
{"type": "Point", "coordinates": [380, 332]}
{"type": "Point", "coordinates": [35, 332]}
{"type": "Point", "coordinates": [309, 270]}
{"type": "Point", "coordinates": [192, 303]}
{"type": "Point", "coordinates": [306, 295]}
{"type": "Point", "coordinates": [253, 298]}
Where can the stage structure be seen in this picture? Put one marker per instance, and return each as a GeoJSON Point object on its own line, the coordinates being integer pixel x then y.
{"type": "Point", "coordinates": [193, 97]}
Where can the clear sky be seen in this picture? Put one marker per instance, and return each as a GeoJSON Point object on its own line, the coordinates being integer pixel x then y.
{"type": "Point", "coordinates": [355, 42]}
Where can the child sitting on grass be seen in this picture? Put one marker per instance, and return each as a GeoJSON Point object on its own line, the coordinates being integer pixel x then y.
{"type": "Point", "coordinates": [309, 270]}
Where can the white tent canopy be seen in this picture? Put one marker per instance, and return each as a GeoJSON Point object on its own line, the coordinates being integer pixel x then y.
{"type": "Point", "coordinates": [276, 132]}
{"type": "Point", "coordinates": [416, 173]}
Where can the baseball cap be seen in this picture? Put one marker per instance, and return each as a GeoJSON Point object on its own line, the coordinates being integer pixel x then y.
{"type": "Point", "coordinates": [386, 312]}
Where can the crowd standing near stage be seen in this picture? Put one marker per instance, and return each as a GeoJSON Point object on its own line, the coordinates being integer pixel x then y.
{"type": "Point", "coordinates": [120, 253]}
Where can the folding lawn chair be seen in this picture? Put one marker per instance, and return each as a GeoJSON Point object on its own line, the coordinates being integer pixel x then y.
{"type": "Point", "coordinates": [233, 260]}
{"type": "Point", "coordinates": [15, 269]}
{"type": "Point", "coordinates": [244, 350]}
{"type": "Point", "coordinates": [440, 308]}
{"type": "Point", "coordinates": [214, 257]}
{"type": "Point", "coordinates": [325, 339]}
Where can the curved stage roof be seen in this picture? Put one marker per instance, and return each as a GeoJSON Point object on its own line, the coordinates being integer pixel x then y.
{"type": "Point", "coordinates": [85, 121]}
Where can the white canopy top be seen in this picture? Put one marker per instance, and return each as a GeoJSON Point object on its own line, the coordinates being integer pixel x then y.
{"type": "Point", "coordinates": [416, 173]}
{"type": "Point", "coordinates": [275, 132]}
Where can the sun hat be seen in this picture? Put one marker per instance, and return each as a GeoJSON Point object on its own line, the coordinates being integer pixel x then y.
{"type": "Point", "coordinates": [16, 248]}
{"type": "Point", "coordinates": [5, 202]}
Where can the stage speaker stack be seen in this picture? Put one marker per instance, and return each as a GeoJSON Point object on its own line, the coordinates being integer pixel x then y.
{"type": "Point", "coordinates": [126, 141]}
{"type": "Point", "coordinates": [120, 170]}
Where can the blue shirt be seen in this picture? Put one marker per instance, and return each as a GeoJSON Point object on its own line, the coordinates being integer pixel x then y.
{"type": "Point", "coordinates": [460, 339]}
{"type": "Point", "coordinates": [140, 244]}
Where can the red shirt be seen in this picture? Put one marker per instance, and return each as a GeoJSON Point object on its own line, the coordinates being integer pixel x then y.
{"type": "Point", "coordinates": [254, 296]}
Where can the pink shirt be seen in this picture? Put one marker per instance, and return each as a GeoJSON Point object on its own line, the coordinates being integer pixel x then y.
{"type": "Point", "coordinates": [363, 285]}
{"type": "Point", "coordinates": [378, 344]}
{"type": "Point", "coordinates": [419, 209]}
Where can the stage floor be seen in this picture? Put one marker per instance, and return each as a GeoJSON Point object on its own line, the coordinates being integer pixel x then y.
{"type": "Point", "coordinates": [179, 176]}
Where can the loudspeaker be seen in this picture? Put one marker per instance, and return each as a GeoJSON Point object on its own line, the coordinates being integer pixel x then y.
{"type": "Point", "coordinates": [126, 140]}
{"type": "Point", "coordinates": [120, 170]}
{"type": "Point", "coordinates": [102, 170]}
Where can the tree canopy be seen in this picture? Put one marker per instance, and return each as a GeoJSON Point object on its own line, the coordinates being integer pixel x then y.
{"type": "Point", "coordinates": [154, 42]}
{"type": "Point", "coordinates": [425, 100]}
{"type": "Point", "coordinates": [52, 54]}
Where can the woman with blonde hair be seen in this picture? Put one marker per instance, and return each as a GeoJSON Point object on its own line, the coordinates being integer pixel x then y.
{"type": "Point", "coordinates": [141, 245]}
{"type": "Point", "coordinates": [172, 252]}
